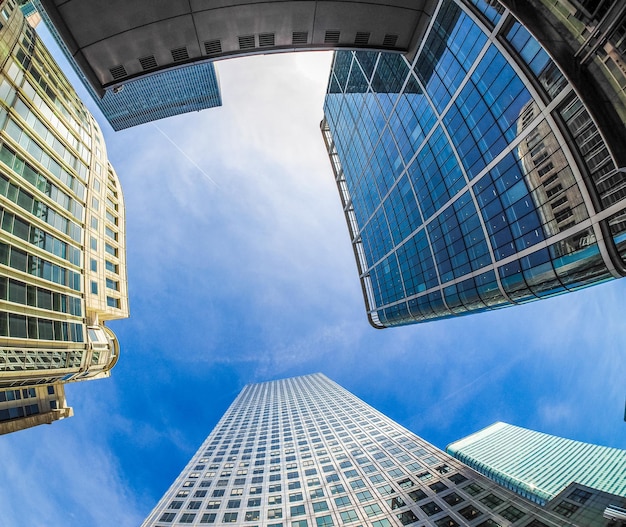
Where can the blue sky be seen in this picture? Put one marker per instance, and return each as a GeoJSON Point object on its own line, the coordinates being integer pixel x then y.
{"type": "Point", "coordinates": [240, 270]}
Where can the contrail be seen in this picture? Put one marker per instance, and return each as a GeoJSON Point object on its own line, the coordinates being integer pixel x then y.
{"type": "Point", "coordinates": [186, 156]}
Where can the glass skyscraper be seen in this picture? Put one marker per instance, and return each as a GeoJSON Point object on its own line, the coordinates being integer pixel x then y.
{"type": "Point", "coordinates": [304, 452]}
{"type": "Point", "coordinates": [62, 235]}
{"type": "Point", "coordinates": [472, 177]}
{"type": "Point", "coordinates": [539, 466]}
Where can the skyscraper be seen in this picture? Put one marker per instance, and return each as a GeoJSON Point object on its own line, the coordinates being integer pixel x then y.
{"type": "Point", "coordinates": [479, 175]}
{"type": "Point", "coordinates": [304, 452]}
{"type": "Point", "coordinates": [539, 466]}
{"type": "Point", "coordinates": [62, 236]}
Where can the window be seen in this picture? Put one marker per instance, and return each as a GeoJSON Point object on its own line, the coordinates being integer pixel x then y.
{"type": "Point", "coordinates": [491, 500]}
{"type": "Point", "coordinates": [470, 512]}
{"type": "Point", "coordinates": [489, 523]}
{"type": "Point", "coordinates": [252, 516]}
{"type": "Point", "coordinates": [293, 485]}
{"type": "Point", "coordinates": [167, 517]}
{"type": "Point", "coordinates": [94, 288]}
{"type": "Point", "coordinates": [320, 506]}
{"type": "Point", "coordinates": [299, 523]}
{"type": "Point", "coordinates": [175, 505]}
{"type": "Point", "coordinates": [364, 496]}
{"type": "Point", "coordinates": [194, 505]}
{"type": "Point", "coordinates": [208, 518]}
{"type": "Point", "coordinates": [407, 517]}
{"type": "Point", "coordinates": [256, 490]}
{"type": "Point", "coordinates": [457, 478]}
{"type": "Point", "coordinates": [230, 517]}
{"type": "Point", "coordinates": [213, 504]}
{"type": "Point", "coordinates": [274, 488]}
{"type": "Point", "coordinates": [317, 493]}
{"type": "Point", "coordinates": [273, 514]}
{"type": "Point", "coordinates": [473, 488]}
{"type": "Point", "coordinates": [274, 500]}
{"type": "Point", "coordinates": [337, 489]}
{"type": "Point", "coordinates": [579, 495]}
{"type": "Point", "coordinates": [512, 513]}
{"type": "Point", "coordinates": [93, 265]}
{"type": "Point", "coordinates": [372, 510]}
{"type": "Point", "coordinates": [297, 510]}
{"type": "Point", "coordinates": [357, 484]}
{"type": "Point", "coordinates": [446, 521]}
{"type": "Point", "coordinates": [395, 503]}
{"type": "Point", "coordinates": [297, 496]}
{"type": "Point", "coordinates": [236, 492]}
{"type": "Point", "coordinates": [430, 508]}
{"type": "Point", "coordinates": [438, 487]}
{"type": "Point", "coordinates": [566, 509]}
{"type": "Point", "coordinates": [386, 489]}
{"type": "Point", "coordinates": [342, 501]}
{"type": "Point", "coordinates": [349, 516]}
{"type": "Point", "coordinates": [233, 504]}
{"type": "Point", "coordinates": [324, 521]}
{"type": "Point", "coordinates": [187, 518]}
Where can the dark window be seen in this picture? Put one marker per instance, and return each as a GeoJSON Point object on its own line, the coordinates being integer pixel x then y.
{"type": "Point", "coordinates": [512, 513]}
{"type": "Point", "coordinates": [430, 508]}
{"type": "Point", "coordinates": [452, 499]}
{"type": "Point", "coordinates": [470, 512]}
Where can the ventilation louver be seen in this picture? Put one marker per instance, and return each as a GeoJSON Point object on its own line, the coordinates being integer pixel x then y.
{"type": "Point", "coordinates": [300, 37]}
{"type": "Point", "coordinates": [362, 38]}
{"type": "Point", "coordinates": [246, 42]}
{"type": "Point", "coordinates": [390, 41]}
{"type": "Point", "coordinates": [148, 63]}
{"type": "Point", "coordinates": [266, 39]}
{"type": "Point", "coordinates": [211, 47]}
{"type": "Point", "coordinates": [179, 54]}
{"type": "Point", "coordinates": [331, 37]}
{"type": "Point", "coordinates": [118, 72]}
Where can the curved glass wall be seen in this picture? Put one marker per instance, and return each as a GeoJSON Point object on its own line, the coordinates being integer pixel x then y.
{"type": "Point", "coordinates": [476, 177]}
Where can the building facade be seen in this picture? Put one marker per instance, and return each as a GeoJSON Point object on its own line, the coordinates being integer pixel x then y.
{"type": "Point", "coordinates": [479, 175]}
{"type": "Point", "coordinates": [538, 466]}
{"type": "Point", "coordinates": [304, 452]}
{"type": "Point", "coordinates": [62, 235]}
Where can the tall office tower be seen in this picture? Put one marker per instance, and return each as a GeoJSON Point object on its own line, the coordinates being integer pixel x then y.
{"type": "Point", "coordinates": [304, 452]}
{"type": "Point", "coordinates": [539, 466]}
{"type": "Point", "coordinates": [480, 175]}
{"type": "Point", "coordinates": [62, 239]}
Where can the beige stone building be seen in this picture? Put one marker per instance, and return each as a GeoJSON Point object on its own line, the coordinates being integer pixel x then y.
{"type": "Point", "coordinates": [62, 235]}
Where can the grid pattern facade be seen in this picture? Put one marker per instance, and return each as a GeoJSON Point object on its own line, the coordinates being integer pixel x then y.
{"type": "Point", "coordinates": [62, 234]}
{"type": "Point", "coordinates": [539, 466]}
{"type": "Point", "coordinates": [474, 177]}
{"type": "Point", "coordinates": [174, 92]}
{"type": "Point", "coordinates": [304, 452]}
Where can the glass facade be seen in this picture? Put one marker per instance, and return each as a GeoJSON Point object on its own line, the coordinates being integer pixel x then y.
{"type": "Point", "coordinates": [304, 452]}
{"type": "Point", "coordinates": [61, 206]}
{"type": "Point", "coordinates": [538, 466]}
{"type": "Point", "coordinates": [473, 177]}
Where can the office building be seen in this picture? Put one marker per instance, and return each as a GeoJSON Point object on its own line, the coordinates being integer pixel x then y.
{"type": "Point", "coordinates": [538, 466]}
{"type": "Point", "coordinates": [482, 173]}
{"type": "Point", "coordinates": [62, 236]}
{"type": "Point", "coordinates": [304, 452]}
{"type": "Point", "coordinates": [173, 92]}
